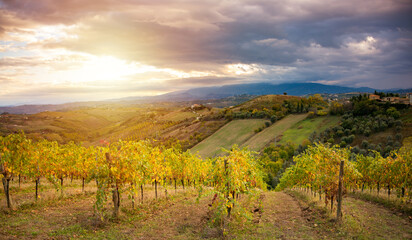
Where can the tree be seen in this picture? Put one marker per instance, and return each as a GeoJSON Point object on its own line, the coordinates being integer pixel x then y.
{"type": "Point", "coordinates": [393, 113]}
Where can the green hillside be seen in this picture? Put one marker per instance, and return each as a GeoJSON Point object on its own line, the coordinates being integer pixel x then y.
{"type": "Point", "coordinates": [303, 129]}
{"type": "Point", "coordinates": [260, 140]}
{"type": "Point", "coordinates": [293, 128]}
{"type": "Point", "coordinates": [235, 132]}
{"type": "Point", "coordinates": [265, 101]}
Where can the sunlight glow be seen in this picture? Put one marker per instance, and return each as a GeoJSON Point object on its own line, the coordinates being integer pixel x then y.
{"type": "Point", "coordinates": [104, 68]}
{"type": "Point", "coordinates": [242, 69]}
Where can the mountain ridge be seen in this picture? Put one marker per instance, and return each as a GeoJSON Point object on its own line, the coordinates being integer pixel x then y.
{"type": "Point", "coordinates": [203, 93]}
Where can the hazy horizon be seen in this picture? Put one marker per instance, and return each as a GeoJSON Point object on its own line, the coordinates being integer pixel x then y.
{"type": "Point", "coordinates": [69, 51]}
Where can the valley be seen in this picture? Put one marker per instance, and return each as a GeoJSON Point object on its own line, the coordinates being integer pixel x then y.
{"type": "Point", "coordinates": [172, 159]}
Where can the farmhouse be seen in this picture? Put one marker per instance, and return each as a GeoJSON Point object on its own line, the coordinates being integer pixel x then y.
{"type": "Point", "coordinates": [409, 96]}
{"type": "Point", "coordinates": [391, 99]}
{"type": "Point", "coordinates": [374, 97]}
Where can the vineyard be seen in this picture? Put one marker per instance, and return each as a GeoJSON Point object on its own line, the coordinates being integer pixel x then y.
{"type": "Point", "coordinates": [116, 180]}
{"type": "Point", "coordinates": [124, 167]}
{"type": "Point", "coordinates": [317, 170]}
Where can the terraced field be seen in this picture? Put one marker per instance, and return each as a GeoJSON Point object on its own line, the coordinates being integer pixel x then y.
{"type": "Point", "coordinates": [235, 132]}
{"type": "Point", "coordinates": [301, 130]}
{"type": "Point", "coordinates": [294, 128]}
{"type": "Point", "coordinates": [268, 135]}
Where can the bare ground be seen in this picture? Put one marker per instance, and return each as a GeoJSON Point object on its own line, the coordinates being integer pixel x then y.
{"type": "Point", "coordinates": [283, 218]}
{"type": "Point", "coordinates": [279, 216]}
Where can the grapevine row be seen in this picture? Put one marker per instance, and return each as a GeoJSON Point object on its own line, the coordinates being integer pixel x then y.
{"type": "Point", "coordinates": [318, 169]}
{"type": "Point", "coordinates": [125, 167]}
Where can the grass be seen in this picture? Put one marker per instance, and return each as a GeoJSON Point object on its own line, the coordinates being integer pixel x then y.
{"type": "Point", "coordinates": [263, 138]}
{"type": "Point", "coordinates": [235, 132]}
{"type": "Point", "coordinates": [303, 129]}
{"type": "Point", "coordinates": [361, 220]}
{"type": "Point", "coordinates": [72, 217]}
{"type": "Point", "coordinates": [273, 215]}
{"type": "Point", "coordinates": [406, 116]}
{"type": "Point", "coordinates": [392, 203]}
{"type": "Point", "coordinates": [293, 128]}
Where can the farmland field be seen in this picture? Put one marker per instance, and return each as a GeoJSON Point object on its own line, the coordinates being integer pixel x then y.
{"type": "Point", "coordinates": [263, 138]}
{"type": "Point", "coordinates": [302, 130]}
{"type": "Point", "coordinates": [235, 132]}
{"type": "Point", "coordinates": [284, 216]}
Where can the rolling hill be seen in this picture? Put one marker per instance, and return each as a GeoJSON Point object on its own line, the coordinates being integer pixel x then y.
{"type": "Point", "coordinates": [91, 125]}
{"type": "Point", "coordinates": [303, 129]}
{"type": "Point", "coordinates": [203, 93]}
{"type": "Point", "coordinates": [296, 89]}
{"type": "Point", "coordinates": [293, 128]}
{"type": "Point", "coordinates": [268, 135]}
{"type": "Point", "coordinates": [235, 132]}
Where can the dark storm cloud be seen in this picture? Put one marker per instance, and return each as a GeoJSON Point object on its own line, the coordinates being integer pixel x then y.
{"type": "Point", "coordinates": [324, 41]}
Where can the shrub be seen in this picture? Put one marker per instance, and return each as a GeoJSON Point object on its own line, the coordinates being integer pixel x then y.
{"type": "Point", "coordinates": [351, 138]}
{"type": "Point", "coordinates": [363, 152]}
{"type": "Point", "coordinates": [273, 118]}
{"type": "Point", "coordinates": [398, 123]}
{"type": "Point", "coordinates": [354, 130]}
{"type": "Point", "coordinates": [393, 112]}
{"type": "Point", "coordinates": [378, 148]}
{"type": "Point", "coordinates": [356, 149]}
{"type": "Point", "coordinates": [388, 149]}
{"type": "Point", "coordinates": [367, 132]}
{"type": "Point", "coordinates": [365, 144]}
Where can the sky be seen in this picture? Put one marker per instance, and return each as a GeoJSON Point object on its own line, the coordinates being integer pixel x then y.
{"type": "Point", "coordinates": [55, 51]}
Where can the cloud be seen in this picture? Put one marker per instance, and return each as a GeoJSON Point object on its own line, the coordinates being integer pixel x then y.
{"type": "Point", "coordinates": [202, 81]}
{"type": "Point", "coordinates": [195, 43]}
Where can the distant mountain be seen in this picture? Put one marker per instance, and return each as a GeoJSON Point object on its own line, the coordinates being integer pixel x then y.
{"type": "Point", "coordinates": [407, 90]}
{"type": "Point", "coordinates": [32, 109]}
{"type": "Point", "coordinates": [29, 109]}
{"type": "Point", "coordinates": [204, 93]}
{"type": "Point", "coordinates": [295, 89]}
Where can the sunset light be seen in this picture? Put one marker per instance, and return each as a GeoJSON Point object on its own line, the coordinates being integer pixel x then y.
{"type": "Point", "coordinates": [205, 119]}
{"type": "Point", "coordinates": [161, 47]}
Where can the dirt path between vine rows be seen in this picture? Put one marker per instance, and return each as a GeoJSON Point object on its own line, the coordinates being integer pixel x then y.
{"type": "Point", "coordinates": [280, 216]}
{"type": "Point", "coordinates": [283, 218]}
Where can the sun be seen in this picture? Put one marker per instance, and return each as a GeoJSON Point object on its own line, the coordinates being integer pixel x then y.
{"type": "Point", "coordinates": [104, 68]}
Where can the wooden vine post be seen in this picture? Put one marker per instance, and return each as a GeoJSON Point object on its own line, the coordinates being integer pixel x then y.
{"type": "Point", "coordinates": [229, 208]}
{"type": "Point", "coordinates": [340, 189]}
{"type": "Point", "coordinates": [115, 192]}
{"type": "Point", "coordinates": [6, 184]}
{"type": "Point", "coordinates": [37, 187]}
